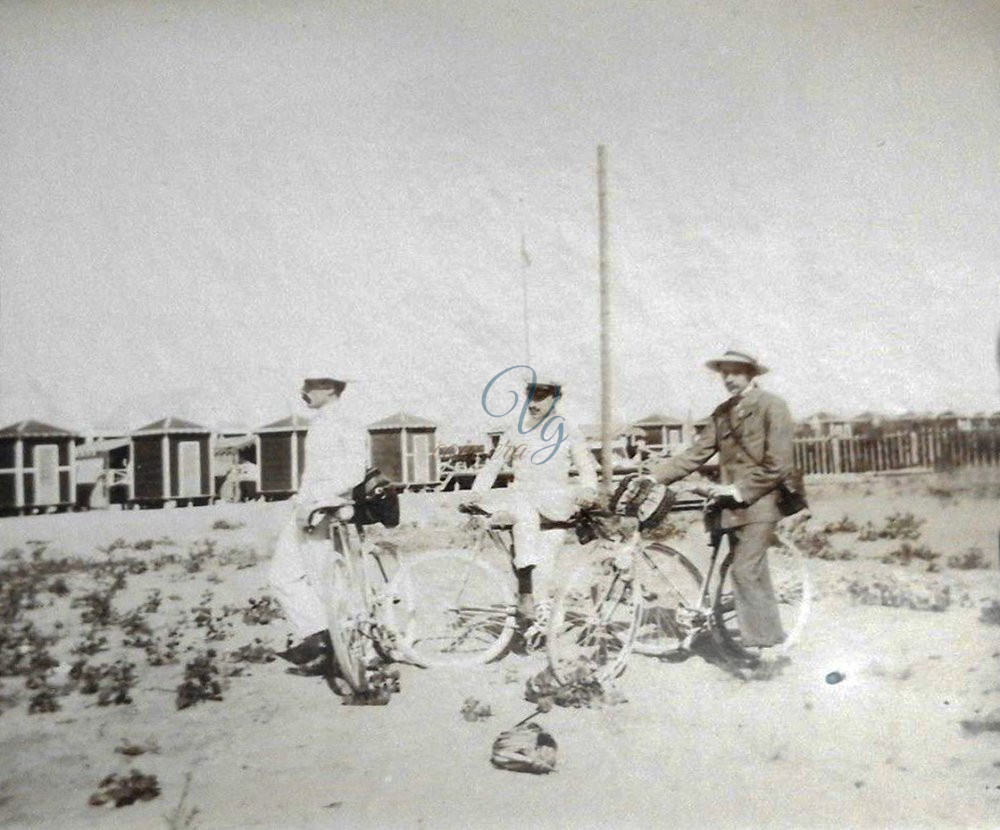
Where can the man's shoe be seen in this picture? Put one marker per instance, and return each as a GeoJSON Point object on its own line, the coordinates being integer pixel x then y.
{"type": "Point", "coordinates": [312, 647]}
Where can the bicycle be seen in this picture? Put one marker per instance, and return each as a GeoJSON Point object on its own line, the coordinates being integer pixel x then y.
{"type": "Point", "coordinates": [649, 597]}
{"type": "Point", "coordinates": [363, 600]}
{"type": "Point", "coordinates": [463, 601]}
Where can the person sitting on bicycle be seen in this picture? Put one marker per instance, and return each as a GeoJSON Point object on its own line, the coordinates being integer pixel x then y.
{"type": "Point", "coordinates": [540, 456]}
{"type": "Point", "coordinates": [335, 461]}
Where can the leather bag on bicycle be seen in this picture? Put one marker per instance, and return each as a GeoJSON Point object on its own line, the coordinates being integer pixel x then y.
{"type": "Point", "coordinates": [375, 500]}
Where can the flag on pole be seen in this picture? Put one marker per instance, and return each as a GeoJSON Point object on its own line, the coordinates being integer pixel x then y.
{"type": "Point", "coordinates": [525, 259]}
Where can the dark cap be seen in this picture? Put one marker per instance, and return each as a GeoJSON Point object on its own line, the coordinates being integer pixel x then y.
{"type": "Point", "coordinates": [337, 386]}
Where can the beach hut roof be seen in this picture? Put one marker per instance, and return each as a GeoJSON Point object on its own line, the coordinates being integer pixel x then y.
{"type": "Point", "coordinates": [403, 420]}
{"type": "Point", "coordinates": [233, 442]}
{"type": "Point", "coordinates": [100, 446]}
{"type": "Point", "coordinates": [592, 432]}
{"type": "Point", "coordinates": [170, 425]}
{"type": "Point", "coordinates": [35, 429]}
{"type": "Point", "coordinates": [656, 420]}
{"type": "Point", "coordinates": [289, 424]}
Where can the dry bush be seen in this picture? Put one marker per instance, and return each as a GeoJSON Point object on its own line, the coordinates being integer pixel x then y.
{"type": "Point", "coordinates": [111, 682]}
{"type": "Point", "coordinates": [474, 709]}
{"type": "Point", "coordinates": [897, 526]}
{"type": "Point", "coordinates": [242, 556]}
{"type": "Point", "coordinates": [255, 652]}
{"type": "Point", "coordinates": [906, 553]}
{"type": "Point", "coordinates": [225, 524]}
{"type": "Point", "coordinates": [582, 690]}
{"type": "Point", "coordinates": [44, 702]}
{"type": "Point", "coordinates": [262, 611]}
{"type": "Point", "coordinates": [125, 790]}
{"type": "Point", "coordinates": [844, 525]}
{"type": "Point", "coordinates": [990, 612]}
{"type": "Point", "coordinates": [973, 559]}
{"type": "Point", "coordinates": [201, 681]}
{"type": "Point", "coordinates": [891, 593]}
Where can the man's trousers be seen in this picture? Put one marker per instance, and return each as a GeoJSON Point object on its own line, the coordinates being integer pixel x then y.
{"type": "Point", "coordinates": [753, 592]}
{"type": "Point", "coordinates": [532, 545]}
{"type": "Point", "coordinates": [297, 577]}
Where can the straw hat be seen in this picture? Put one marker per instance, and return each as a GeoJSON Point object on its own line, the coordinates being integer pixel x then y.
{"type": "Point", "coordinates": [741, 358]}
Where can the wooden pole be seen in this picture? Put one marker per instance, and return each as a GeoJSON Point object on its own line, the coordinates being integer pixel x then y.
{"type": "Point", "coordinates": [525, 262]}
{"type": "Point", "coordinates": [602, 209]}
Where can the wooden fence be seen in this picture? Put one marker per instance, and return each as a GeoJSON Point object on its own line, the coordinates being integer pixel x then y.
{"type": "Point", "coordinates": [928, 447]}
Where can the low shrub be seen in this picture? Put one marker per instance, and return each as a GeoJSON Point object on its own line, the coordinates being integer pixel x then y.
{"type": "Point", "coordinates": [897, 526]}
{"type": "Point", "coordinates": [262, 611]}
{"type": "Point", "coordinates": [906, 553]}
{"type": "Point", "coordinates": [201, 681]}
{"type": "Point", "coordinates": [973, 559]}
{"type": "Point", "coordinates": [125, 790]}
{"type": "Point", "coordinates": [890, 593]}
{"type": "Point", "coordinates": [844, 525]}
{"type": "Point", "coordinates": [990, 612]}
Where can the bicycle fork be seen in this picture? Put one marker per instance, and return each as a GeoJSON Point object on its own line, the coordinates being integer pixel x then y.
{"type": "Point", "coordinates": [703, 613]}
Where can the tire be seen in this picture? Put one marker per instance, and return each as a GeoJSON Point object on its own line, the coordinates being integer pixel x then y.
{"type": "Point", "coordinates": [353, 649]}
{"type": "Point", "coordinates": [454, 609]}
{"type": "Point", "coordinates": [793, 590]}
{"type": "Point", "coordinates": [671, 585]}
{"type": "Point", "coordinates": [392, 601]}
{"type": "Point", "coordinates": [593, 621]}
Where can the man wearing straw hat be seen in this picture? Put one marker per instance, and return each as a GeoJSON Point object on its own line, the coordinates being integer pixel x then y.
{"type": "Point", "coordinates": [752, 432]}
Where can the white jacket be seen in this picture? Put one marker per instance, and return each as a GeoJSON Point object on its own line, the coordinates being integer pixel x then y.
{"type": "Point", "coordinates": [535, 465]}
{"type": "Point", "coordinates": [335, 457]}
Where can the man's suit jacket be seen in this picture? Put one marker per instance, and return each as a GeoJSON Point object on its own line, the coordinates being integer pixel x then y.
{"type": "Point", "coordinates": [763, 426]}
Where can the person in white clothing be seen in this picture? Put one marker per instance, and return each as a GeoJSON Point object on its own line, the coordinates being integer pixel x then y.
{"type": "Point", "coordinates": [334, 463]}
{"type": "Point", "coordinates": [540, 449]}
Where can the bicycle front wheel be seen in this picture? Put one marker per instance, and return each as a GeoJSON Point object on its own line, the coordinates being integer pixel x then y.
{"type": "Point", "coordinates": [671, 592]}
{"type": "Point", "coordinates": [458, 610]}
{"type": "Point", "coordinates": [352, 647]}
{"type": "Point", "coordinates": [593, 623]}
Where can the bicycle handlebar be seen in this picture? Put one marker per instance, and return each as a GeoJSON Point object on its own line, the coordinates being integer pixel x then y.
{"type": "Point", "coordinates": [342, 512]}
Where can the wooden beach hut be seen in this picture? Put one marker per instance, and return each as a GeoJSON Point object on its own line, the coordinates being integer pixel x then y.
{"type": "Point", "coordinates": [402, 447]}
{"type": "Point", "coordinates": [281, 447]}
{"type": "Point", "coordinates": [37, 468]}
{"type": "Point", "coordinates": [104, 472]}
{"type": "Point", "coordinates": [662, 432]}
{"type": "Point", "coordinates": [171, 461]}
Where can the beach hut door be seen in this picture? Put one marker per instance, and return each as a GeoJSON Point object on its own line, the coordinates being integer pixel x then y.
{"type": "Point", "coordinates": [421, 458]}
{"type": "Point", "coordinates": [189, 461]}
{"type": "Point", "coordinates": [46, 459]}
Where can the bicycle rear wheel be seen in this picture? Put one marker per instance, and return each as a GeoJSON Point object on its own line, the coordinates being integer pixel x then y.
{"type": "Point", "coordinates": [594, 620]}
{"type": "Point", "coordinates": [671, 593]}
{"type": "Point", "coordinates": [456, 609]}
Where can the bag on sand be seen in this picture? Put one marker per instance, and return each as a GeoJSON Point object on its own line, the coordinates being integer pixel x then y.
{"type": "Point", "coordinates": [525, 748]}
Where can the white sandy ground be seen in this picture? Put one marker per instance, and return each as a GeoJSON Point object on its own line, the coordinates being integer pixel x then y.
{"type": "Point", "coordinates": [692, 747]}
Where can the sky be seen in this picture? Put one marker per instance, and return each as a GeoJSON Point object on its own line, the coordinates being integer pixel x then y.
{"type": "Point", "coordinates": [203, 202]}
